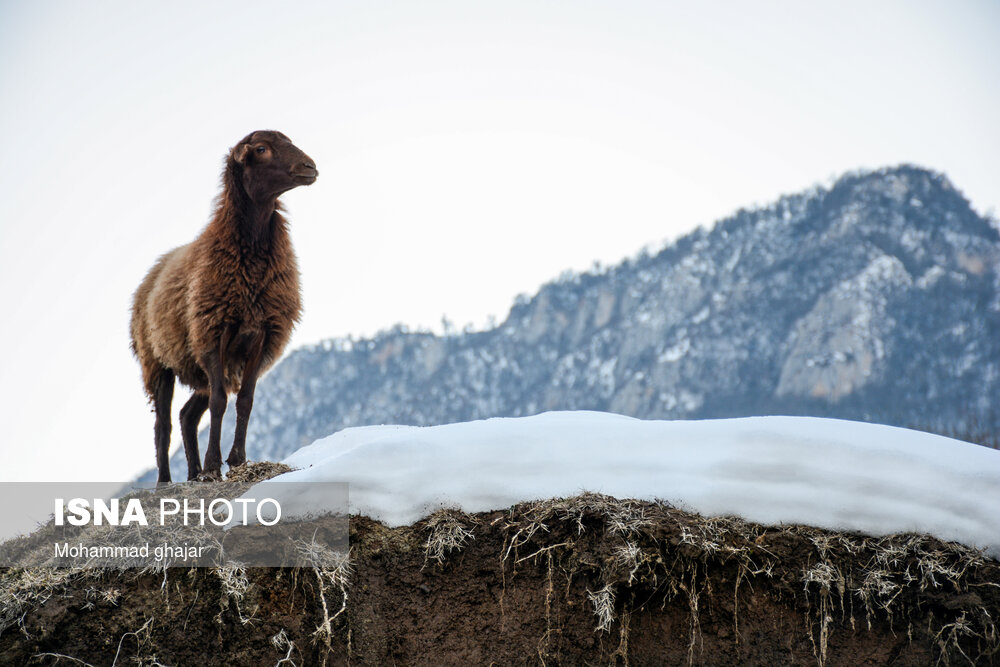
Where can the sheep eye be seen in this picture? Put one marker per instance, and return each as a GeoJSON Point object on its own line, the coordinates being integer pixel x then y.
{"type": "Point", "coordinates": [260, 150]}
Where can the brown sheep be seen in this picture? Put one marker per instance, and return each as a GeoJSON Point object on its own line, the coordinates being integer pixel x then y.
{"type": "Point", "coordinates": [216, 313]}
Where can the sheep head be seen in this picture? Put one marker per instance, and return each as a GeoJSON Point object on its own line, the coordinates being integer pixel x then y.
{"type": "Point", "coordinates": [271, 165]}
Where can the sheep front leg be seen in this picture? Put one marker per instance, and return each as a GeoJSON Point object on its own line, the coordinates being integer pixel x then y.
{"type": "Point", "coordinates": [215, 367]}
{"type": "Point", "coordinates": [244, 401]}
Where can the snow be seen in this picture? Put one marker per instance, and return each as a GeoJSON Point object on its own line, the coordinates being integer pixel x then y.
{"type": "Point", "coordinates": [676, 352]}
{"type": "Point", "coordinates": [828, 473]}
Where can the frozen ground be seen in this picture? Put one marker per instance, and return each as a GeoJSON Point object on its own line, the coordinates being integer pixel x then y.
{"type": "Point", "coordinates": [832, 474]}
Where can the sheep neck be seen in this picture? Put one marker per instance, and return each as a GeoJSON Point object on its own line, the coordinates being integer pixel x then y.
{"type": "Point", "coordinates": [257, 224]}
{"type": "Point", "coordinates": [253, 226]}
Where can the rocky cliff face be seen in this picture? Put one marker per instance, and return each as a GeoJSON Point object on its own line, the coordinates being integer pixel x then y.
{"type": "Point", "coordinates": [876, 299]}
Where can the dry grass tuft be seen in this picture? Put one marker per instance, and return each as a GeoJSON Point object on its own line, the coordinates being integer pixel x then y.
{"type": "Point", "coordinates": [22, 590]}
{"type": "Point", "coordinates": [257, 471]}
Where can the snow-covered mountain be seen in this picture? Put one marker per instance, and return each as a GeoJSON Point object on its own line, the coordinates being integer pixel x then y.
{"type": "Point", "coordinates": [877, 299]}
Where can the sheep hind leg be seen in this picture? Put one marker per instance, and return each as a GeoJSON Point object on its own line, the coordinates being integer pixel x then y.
{"type": "Point", "coordinates": [215, 365]}
{"type": "Point", "coordinates": [244, 401]}
{"type": "Point", "coordinates": [191, 415]}
{"type": "Point", "coordinates": [163, 393]}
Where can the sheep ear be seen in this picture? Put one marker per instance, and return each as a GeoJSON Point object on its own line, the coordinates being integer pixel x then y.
{"type": "Point", "coordinates": [240, 153]}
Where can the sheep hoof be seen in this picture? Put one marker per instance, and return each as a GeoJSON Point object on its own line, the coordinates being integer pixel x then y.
{"type": "Point", "coordinates": [210, 476]}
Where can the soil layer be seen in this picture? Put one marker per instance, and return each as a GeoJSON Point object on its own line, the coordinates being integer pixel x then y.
{"type": "Point", "coordinates": [582, 581]}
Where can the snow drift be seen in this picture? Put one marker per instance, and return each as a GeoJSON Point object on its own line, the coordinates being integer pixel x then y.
{"type": "Point", "coordinates": [832, 474]}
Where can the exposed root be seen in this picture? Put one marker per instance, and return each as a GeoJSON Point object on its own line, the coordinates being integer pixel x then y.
{"type": "Point", "coordinates": [604, 607]}
{"type": "Point", "coordinates": [543, 644]}
{"type": "Point", "coordinates": [622, 650]}
{"type": "Point", "coordinates": [281, 642]}
{"type": "Point", "coordinates": [332, 569]}
{"type": "Point", "coordinates": [235, 584]}
{"type": "Point", "coordinates": [693, 595]}
{"type": "Point", "coordinates": [143, 638]}
{"type": "Point", "coordinates": [949, 639]}
{"type": "Point", "coordinates": [448, 533]}
{"type": "Point", "coordinates": [663, 552]}
{"type": "Point", "coordinates": [61, 656]}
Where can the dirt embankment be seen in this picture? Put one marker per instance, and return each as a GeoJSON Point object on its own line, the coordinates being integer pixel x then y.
{"type": "Point", "coordinates": [587, 580]}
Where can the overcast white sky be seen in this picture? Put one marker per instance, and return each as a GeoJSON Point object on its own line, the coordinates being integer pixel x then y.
{"type": "Point", "coordinates": [468, 152]}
